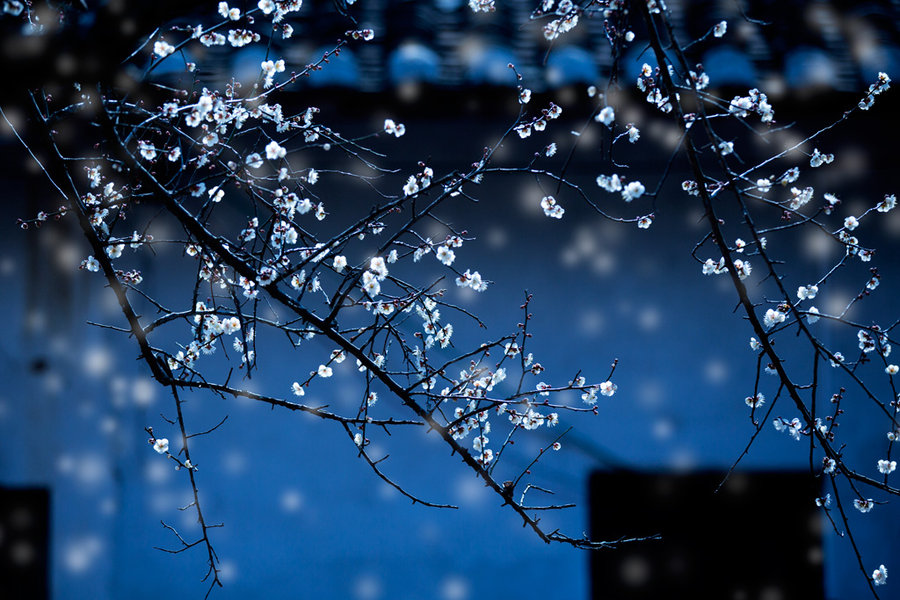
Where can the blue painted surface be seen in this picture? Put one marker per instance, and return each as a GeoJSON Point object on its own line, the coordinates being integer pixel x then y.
{"type": "Point", "coordinates": [414, 62]}
{"type": "Point", "coordinates": [489, 65]}
{"type": "Point", "coordinates": [570, 65]}
{"type": "Point", "coordinates": [302, 516]}
{"type": "Point", "coordinates": [809, 67]}
{"type": "Point", "coordinates": [343, 68]}
{"type": "Point", "coordinates": [728, 66]}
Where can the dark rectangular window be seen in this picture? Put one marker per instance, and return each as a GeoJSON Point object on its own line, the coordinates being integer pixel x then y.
{"type": "Point", "coordinates": [24, 543]}
{"type": "Point", "coordinates": [758, 538]}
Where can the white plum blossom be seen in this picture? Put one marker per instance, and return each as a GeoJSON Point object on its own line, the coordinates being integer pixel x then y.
{"type": "Point", "coordinates": [634, 134]}
{"type": "Point", "coordinates": [711, 267]}
{"type": "Point", "coordinates": [297, 389]}
{"type": "Point", "coordinates": [879, 575]}
{"type": "Point", "coordinates": [720, 29]}
{"type": "Point", "coordinates": [606, 116]}
{"type": "Point", "coordinates": [887, 466]}
{"type": "Point", "coordinates": [866, 341]}
{"type": "Point", "coordinates": [162, 48]}
{"type": "Point", "coordinates": [90, 264]}
{"type": "Point", "coordinates": [863, 505]}
{"type": "Point", "coordinates": [161, 445]}
{"type": "Point", "coordinates": [212, 38]}
{"type": "Point", "coordinates": [229, 13]}
{"type": "Point", "coordinates": [148, 152]}
{"type": "Point", "coordinates": [230, 325]}
{"type": "Point", "coordinates": [395, 129]}
{"type": "Point", "coordinates": [482, 6]}
{"type": "Point", "coordinates": [241, 37]}
{"type": "Point", "coordinates": [274, 151]}
{"type": "Point", "coordinates": [790, 176]}
{"type": "Point", "coordinates": [755, 401]}
{"type": "Point", "coordinates": [700, 82]}
{"type": "Point", "coordinates": [269, 68]}
{"type": "Point", "coordinates": [743, 268]}
{"type": "Point", "coordinates": [805, 292]}
{"type": "Point", "coordinates": [340, 263]}
{"type": "Point", "coordinates": [792, 427]}
{"type": "Point", "coordinates": [266, 276]}
{"type": "Point", "coordinates": [411, 186]}
{"type": "Point", "coordinates": [608, 388]}
{"type": "Point", "coordinates": [370, 284]}
{"type": "Point", "coordinates": [740, 105]}
{"type": "Point", "coordinates": [773, 317]}
{"type": "Point", "coordinates": [472, 280]}
{"type": "Point", "coordinates": [324, 371]}
{"type": "Point", "coordinates": [800, 197]}
{"type": "Point", "coordinates": [887, 204]}
{"type": "Point", "coordinates": [551, 208]}
{"type": "Point", "coordinates": [818, 159]}
{"type": "Point", "coordinates": [610, 183]}
{"type": "Point", "coordinates": [445, 255]}
{"type": "Point", "coordinates": [633, 190]}
{"type": "Point", "coordinates": [377, 265]}
{"type": "Point", "coordinates": [254, 161]}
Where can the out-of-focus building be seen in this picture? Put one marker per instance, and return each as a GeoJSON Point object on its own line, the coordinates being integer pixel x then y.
{"type": "Point", "coordinates": [786, 45]}
{"type": "Point", "coordinates": [303, 517]}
